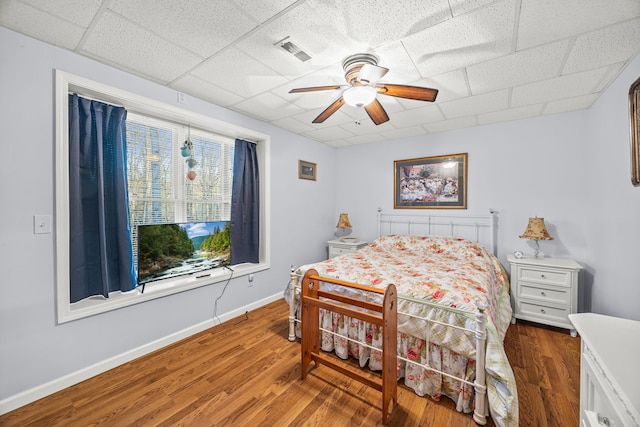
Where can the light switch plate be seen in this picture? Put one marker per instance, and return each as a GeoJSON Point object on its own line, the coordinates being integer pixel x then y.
{"type": "Point", "coordinates": [41, 224]}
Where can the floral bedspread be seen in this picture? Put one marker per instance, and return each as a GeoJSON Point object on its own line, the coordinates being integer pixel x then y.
{"type": "Point", "coordinates": [429, 272]}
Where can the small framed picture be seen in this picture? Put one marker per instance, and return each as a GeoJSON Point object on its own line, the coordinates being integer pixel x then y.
{"type": "Point", "coordinates": [307, 170]}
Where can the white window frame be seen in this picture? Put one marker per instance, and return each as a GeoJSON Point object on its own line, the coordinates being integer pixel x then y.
{"type": "Point", "coordinates": [67, 83]}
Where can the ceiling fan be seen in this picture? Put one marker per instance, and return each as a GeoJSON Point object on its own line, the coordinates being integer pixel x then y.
{"type": "Point", "coordinates": [361, 71]}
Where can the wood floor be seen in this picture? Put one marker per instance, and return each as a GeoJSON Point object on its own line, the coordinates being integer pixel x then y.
{"type": "Point", "coordinates": [246, 373]}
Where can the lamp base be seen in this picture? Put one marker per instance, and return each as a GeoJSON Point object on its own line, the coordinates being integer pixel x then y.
{"type": "Point", "coordinates": [537, 253]}
{"type": "Point", "coordinates": [342, 232]}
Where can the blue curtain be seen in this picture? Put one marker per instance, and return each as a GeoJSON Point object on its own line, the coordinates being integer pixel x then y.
{"type": "Point", "coordinates": [245, 204]}
{"type": "Point", "coordinates": [101, 254]}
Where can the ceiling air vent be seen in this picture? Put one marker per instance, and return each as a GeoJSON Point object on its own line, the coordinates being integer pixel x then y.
{"type": "Point", "coordinates": [293, 49]}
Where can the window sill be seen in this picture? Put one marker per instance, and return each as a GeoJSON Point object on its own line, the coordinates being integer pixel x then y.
{"type": "Point", "coordinates": [96, 305]}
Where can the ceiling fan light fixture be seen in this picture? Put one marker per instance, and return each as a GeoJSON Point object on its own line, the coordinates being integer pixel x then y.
{"type": "Point", "coordinates": [359, 96]}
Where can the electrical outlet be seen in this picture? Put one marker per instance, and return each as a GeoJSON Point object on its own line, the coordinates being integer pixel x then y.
{"type": "Point", "coordinates": [182, 98]}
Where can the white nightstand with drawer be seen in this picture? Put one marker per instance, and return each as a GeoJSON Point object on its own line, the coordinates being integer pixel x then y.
{"type": "Point", "coordinates": [544, 290]}
{"type": "Point", "coordinates": [344, 246]}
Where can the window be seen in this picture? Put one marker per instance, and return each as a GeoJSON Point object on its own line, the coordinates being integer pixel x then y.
{"type": "Point", "coordinates": [159, 189]}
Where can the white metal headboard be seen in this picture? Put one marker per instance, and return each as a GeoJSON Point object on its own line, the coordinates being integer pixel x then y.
{"type": "Point", "coordinates": [478, 228]}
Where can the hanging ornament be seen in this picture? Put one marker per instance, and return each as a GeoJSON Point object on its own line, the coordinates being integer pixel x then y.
{"type": "Point", "coordinates": [185, 150]}
{"type": "Point", "coordinates": [191, 162]}
{"type": "Point", "coordinates": [191, 175]}
{"type": "Point", "coordinates": [187, 147]}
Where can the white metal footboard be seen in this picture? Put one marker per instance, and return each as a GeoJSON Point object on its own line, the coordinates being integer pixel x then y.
{"type": "Point", "coordinates": [479, 385]}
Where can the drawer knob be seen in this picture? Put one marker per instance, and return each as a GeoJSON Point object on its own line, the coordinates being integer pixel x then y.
{"type": "Point", "coordinates": [542, 311]}
{"type": "Point", "coordinates": [543, 294]}
{"type": "Point", "coordinates": [543, 276]}
{"type": "Point", "coordinates": [603, 420]}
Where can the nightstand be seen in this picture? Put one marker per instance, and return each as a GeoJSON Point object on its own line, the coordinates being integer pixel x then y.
{"type": "Point", "coordinates": [544, 290]}
{"type": "Point", "coordinates": [341, 247]}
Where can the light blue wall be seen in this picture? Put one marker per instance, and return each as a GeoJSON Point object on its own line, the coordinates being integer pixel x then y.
{"type": "Point", "coordinates": [613, 206]}
{"type": "Point", "coordinates": [34, 350]}
{"type": "Point", "coordinates": [571, 169]}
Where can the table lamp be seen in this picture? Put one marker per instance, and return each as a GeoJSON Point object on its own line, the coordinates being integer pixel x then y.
{"type": "Point", "coordinates": [536, 231]}
{"type": "Point", "coordinates": [343, 227]}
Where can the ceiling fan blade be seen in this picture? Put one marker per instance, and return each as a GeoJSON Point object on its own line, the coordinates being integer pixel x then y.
{"type": "Point", "coordinates": [370, 73]}
{"type": "Point", "coordinates": [329, 111]}
{"type": "Point", "coordinates": [315, 88]}
{"type": "Point", "coordinates": [376, 112]}
{"type": "Point", "coordinates": [409, 92]}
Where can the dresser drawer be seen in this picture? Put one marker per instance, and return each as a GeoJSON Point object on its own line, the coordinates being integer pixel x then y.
{"type": "Point", "coordinates": [333, 251]}
{"type": "Point", "coordinates": [555, 295]}
{"type": "Point", "coordinates": [546, 276]}
{"type": "Point", "coordinates": [558, 314]}
{"type": "Point", "coordinates": [598, 405]}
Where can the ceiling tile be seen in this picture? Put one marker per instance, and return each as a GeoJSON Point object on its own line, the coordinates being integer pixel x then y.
{"type": "Point", "coordinates": [40, 25]}
{"type": "Point", "coordinates": [327, 134]}
{"type": "Point", "coordinates": [292, 125]}
{"type": "Point", "coordinates": [240, 73]}
{"type": "Point", "coordinates": [79, 12]}
{"type": "Point", "coordinates": [268, 107]}
{"type": "Point", "coordinates": [261, 11]}
{"type": "Point", "coordinates": [510, 114]}
{"type": "Point", "coordinates": [458, 7]}
{"type": "Point", "coordinates": [338, 118]}
{"type": "Point", "coordinates": [201, 26]}
{"type": "Point", "coordinates": [326, 77]}
{"type": "Point", "coordinates": [417, 116]}
{"type": "Point", "coordinates": [461, 41]}
{"type": "Point", "coordinates": [539, 63]}
{"type": "Point", "coordinates": [542, 21]}
{"type": "Point", "coordinates": [569, 104]}
{"type": "Point", "coordinates": [477, 104]}
{"type": "Point", "coordinates": [151, 53]}
{"type": "Point", "coordinates": [446, 125]}
{"type": "Point", "coordinates": [205, 90]}
{"type": "Point", "coordinates": [402, 69]}
{"type": "Point", "coordinates": [557, 88]}
{"type": "Point", "coordinates": [606, 46]}
{"type": "Point", "coordinates": [338, 143]}
{"type": "Point", "coordinates": [364, 126]}
{"type": "Point", "coordinates": [365, 139]}
{"type": "Point", "coordinates": [404, 132]}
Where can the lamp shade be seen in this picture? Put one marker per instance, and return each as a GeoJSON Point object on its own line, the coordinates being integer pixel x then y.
{"type": "Point", "coordinates": [536, 230]}
{"type": "Point", "coordinates": [359, 96]}
{"type": "Point", "coordinates": [343, 221]}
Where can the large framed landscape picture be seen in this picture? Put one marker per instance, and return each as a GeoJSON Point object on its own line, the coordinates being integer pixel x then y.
{"type": "Point", "coordinates": [438, 182]}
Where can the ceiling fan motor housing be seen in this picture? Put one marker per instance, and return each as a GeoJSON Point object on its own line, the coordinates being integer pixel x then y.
{"type": "Point", "coordinates": [353, 63]}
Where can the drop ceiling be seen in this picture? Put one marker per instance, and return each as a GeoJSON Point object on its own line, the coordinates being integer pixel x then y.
{"type": "Point", "coordinates": [492, 61]}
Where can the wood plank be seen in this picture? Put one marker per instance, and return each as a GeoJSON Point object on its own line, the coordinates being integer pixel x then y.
{"type": "Point", "coordinates": [246, 372]}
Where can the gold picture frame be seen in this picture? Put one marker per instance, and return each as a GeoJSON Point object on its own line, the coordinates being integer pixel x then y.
{"type": "Point", "coordinates": [438, 182]}
{"type": "Point", "coordinates": [307, 170]}
{"type": "Point", "coordinates": [634, 119]}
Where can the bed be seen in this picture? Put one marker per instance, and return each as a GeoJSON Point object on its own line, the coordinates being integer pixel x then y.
{"type": "Point", "coordinates": [453, 309]}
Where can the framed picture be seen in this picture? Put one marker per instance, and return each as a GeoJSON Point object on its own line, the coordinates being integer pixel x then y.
{"type": "Point", "coordinates": [438, 182]}
{"type": "Point", "coordinates": [307, 170]}
{"type": "Point", "coordinates": [634, 116]}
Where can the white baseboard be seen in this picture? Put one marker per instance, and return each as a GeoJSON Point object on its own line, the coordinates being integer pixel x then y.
{"type": "Point", "coordinates": [35, 393]}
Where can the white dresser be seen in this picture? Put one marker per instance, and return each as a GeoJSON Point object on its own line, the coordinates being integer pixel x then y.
{"type": "Point", "coordinates": [344, 246]}
{"type": "Point", "coordinates": [609, 370]}
{"type": "Point", "coordinates": [544, 290]}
